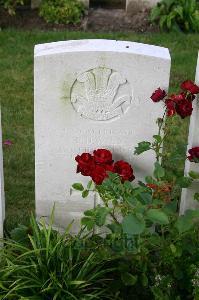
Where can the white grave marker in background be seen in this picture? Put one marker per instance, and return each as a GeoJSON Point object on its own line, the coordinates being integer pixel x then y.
{"type": "Point", "coordinates": [92, 94]}
{"type": "Point", "coordinates": [2, 202]}
{"type": "Point", "coordinates": [187, 199]}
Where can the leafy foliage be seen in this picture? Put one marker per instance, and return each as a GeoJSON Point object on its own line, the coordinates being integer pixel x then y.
{"type": "Point", "coordinates": [62, 11]}
{"type": "Point", "coordinates": [176, 15]}
{"type": "Point", "coordinates": [52, 266]}
{"type": "Point", "coordinates": [10, 5]}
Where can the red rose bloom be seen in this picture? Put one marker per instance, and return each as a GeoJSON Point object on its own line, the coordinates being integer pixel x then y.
{"type": "Point", "coordinates": [190, 86]}
{"type": "Point", "coordinates": [194, 154]}
{"type": "Point", "coordinates": [158, 95]}
{"type": "Point", "coordinates": [124, 170]}
{"type": "Point", "coordinates": [184, 108]}
{"type": "Point", "coordinates": [177, 98]}
{"type": "Point", "coordinates": [102, 156]}
{"type": "Point", "coordinates": [98, 174]}
{"type": "Point", "coordinates": [170, 104]}
{"type": "Point", "coordinates": [85, 164]}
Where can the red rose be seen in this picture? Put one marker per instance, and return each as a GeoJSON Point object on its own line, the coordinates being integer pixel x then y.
{"type": "Point", "coordinates": [158, 95]}
{"type": "Point", "coordinates": [102, 156]}
{"type": "Point", "coordinates": [184, 108]}
{"type": "Point", "coordinates": [177, 98]}
{"type": "Point", "coordinates": [194, 154]}
{"type": "Point", "coordinates": [85, 164]}
{"type": "Point", "coordinates": [98, 174]}
{"type": "Point", "coordinates": [170, 104]}
{"type": "Point", "coordinates": [190, 86]}
{"type": "Point", "coordinates": [124, 170]}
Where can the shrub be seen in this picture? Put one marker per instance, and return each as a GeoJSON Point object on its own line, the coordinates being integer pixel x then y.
{"type": "Point", "coordinates": [10, 5]}
{"type": "Point", "coordinates": [176, 15]}
{"type": "Point", "coordinates": [146, 251]}
{"type": "Point", "coordinates": [43, 264]}
{"type": "Point", "coordinates": [62, 11]}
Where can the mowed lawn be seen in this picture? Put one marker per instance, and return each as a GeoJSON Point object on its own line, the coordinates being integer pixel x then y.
{"type": "Point", "coordinates": [16, 96]}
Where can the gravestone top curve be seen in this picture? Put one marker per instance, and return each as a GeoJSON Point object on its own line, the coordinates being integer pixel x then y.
{"type": "Point", "coordinates": [101, 45]}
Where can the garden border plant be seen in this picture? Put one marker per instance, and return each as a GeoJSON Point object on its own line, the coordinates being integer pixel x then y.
{"type": "Point", "coordinates": [142, 248]}
{"type": "Point", "coordinates": [178, 15]}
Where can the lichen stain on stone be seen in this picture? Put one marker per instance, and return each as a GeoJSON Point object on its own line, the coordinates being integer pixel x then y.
{"type": "Point", "coordinates": [66, 89]}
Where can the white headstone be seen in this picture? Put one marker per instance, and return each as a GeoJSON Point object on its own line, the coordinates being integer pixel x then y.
{"type": "Point", "coordinates": [187, 199]}
{"type": "Point", "coordinates": [2, 202]}
{"type": "Point", "coordinates": [133, 6]}
{"type": "Point", "coordinates": [92, 94]}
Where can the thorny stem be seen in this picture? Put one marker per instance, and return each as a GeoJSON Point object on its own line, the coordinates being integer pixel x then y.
{"type": "Point", "coordinates": [159, 145]}
{"type": "Point", "coordinates": [111, 213]}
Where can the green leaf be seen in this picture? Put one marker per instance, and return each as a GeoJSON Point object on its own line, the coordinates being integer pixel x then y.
{"type": "Point", "coordinates": [142, 147]}
{"type": "Point", "coordinates": [133, 224]}
{"type": "Point", "coordinates": [184, 182]}
{"type": "Point", "coordinates": [20, 234]}
{"type": "Point", "coordinates": [85, 193]}
{"type": "Point", "coordinates": [78, 187]}
{"type": "Point", "coordinates": [157, 216]}
{"type": "Point", "coordinates": [146, 198]}
{"type": "Point", "coordinates": [149, 179]}
{"type": "Point", "coordinates": [128, 279]}
{"type": "Point", "coordinates": [187, 221]}
{"type": "Point", "coordinates": [159, 171]}
{"type": "Point", "coordinates": [184, 223]}
{"type": "Point", "coordinates": [144, 280]}
{"type": "Point", "coordinates": [158, 138]}
{"type": "Point", "coordinates": [173, 248]}
{"type": "Point", "coordinates": [89, 213]}
{"type": "Point", "coordinates": [115, 228]}
{"type": "Point", "coordinates": [101, 214]}
{"type": "Point", "coordinates": [194, 175]}
{"type": "Point", "coordinates": [196, 197]}
{"type": "Point", "coordinates": [88, 222]}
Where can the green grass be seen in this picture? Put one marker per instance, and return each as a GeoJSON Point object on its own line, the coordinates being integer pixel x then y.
{"type": "Point", "coordinates": [16, 96]}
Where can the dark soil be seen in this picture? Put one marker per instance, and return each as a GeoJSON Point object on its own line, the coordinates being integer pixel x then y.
{"type": "Point", "coordinates": [97, 19]}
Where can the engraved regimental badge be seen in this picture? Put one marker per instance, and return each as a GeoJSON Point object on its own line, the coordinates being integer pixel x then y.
{"type": "Point", "coordinates": [101, 94]}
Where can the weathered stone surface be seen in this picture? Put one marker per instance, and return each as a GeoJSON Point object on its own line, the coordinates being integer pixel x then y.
{"type": "Point", "coordinates": [187, 201]}
{"type": "Point", "coordinates": [133, 6]}
{"type": "Point", "coordinates": [92, 94]}
{"type": "Point", "coordinates": [35, 4]}
{"type": "Point", "coordinates": [2, 201]}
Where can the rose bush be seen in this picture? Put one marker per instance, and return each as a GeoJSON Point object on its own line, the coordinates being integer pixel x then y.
{"type": "Point", "coordinates": [145, 236]}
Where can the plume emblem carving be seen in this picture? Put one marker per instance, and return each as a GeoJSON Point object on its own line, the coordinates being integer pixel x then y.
{"type": "Point", "coordinates": [101, 94]}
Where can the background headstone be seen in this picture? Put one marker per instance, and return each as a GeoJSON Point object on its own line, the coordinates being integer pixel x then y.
{"type": "Point", "coordinates": [2, 202]}
{"type": "Point", "coordinates": [133, 6]}
{"type": "Point", "coordinates": [35, 3]}
{"type": "Point", "coordinates": [187, 201]}
{"type": "Point", "coordinates": [92, 94]}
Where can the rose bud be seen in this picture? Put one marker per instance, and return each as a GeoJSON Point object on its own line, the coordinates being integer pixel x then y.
{"type": "Point", "coordinates": [158, 95]}
{"type": "Point", "coordinates": [124, 170]}
{"type": "Point", "coordinates": [184, 108]}
{"type": "Point", "coordinates": [194, 154]}
{"type": "Point", "coordinates": [190, 86]}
